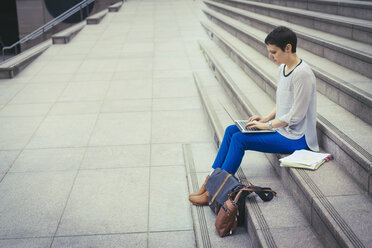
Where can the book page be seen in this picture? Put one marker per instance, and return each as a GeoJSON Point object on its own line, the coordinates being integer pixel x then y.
{"type": "Point", "coordinates": [305, 157]}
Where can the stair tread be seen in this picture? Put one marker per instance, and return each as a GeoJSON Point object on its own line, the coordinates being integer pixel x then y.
{"type": "Point", "coordinates": [275, 213]}
{"type": "Point", "coordinates": [98, 15]}
{"type": "Point", "coordinates": [118, 4]}
{"type": "Point", "coordinates": [68, 31]}
{"type": "Point", "coordinates": [26, 54]}
{"type": "Point", "coordinates": [330, 185]}
{"type": "Point", "coordinates": [347, 2]}
{"type": "Point", "coordinates": [356, 46]}
{"type": "Point", "coordinates": [356, 3]}
{"type": "Point", "coordinates": [350, 79]}
{"type": "Point", "coordinates": [314, 14]}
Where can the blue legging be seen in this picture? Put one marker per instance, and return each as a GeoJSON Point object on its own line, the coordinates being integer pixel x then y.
{"type": "Point", "coordinates": [234, 144]}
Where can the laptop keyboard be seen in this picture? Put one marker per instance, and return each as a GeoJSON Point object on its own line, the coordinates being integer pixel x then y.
{"type": "Point", "coordinates": [243, 123]}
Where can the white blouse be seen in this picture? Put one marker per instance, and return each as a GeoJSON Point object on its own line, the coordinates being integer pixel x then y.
{"type": "Point", "coordinates": [296, 104]}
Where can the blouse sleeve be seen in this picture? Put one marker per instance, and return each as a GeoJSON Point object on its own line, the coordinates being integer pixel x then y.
{"type": "Point", "coordinates": [302, 93]}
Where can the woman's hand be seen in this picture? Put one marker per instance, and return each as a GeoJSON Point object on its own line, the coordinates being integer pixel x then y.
{"type": "Point", "coordinates": [255, 118]}
{"type": "Point", "coordinates": [257, 124]}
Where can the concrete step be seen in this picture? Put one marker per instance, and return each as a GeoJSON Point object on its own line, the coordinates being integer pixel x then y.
{"type": "Point", "coordinates": [349, 8]}
{"type": "Point", "coordinates": [68, 34]}
{"type": "Point", "coordinates": [270, 224]}
{"type": "Point", "coordinates": [115, 7]}
{"type": "Point", "coordinates": [97, 17]}
{"type": "Point", "coordinates": [345, 87]}
{"type": "Point", "coordinates": [348, 53]}
{"type": "Point", "coordinates": [340, 132]}
{"type": "Point", "coordinates": [347, 27]}
{"type": "Point", "coordinates": [336, 207]}
{"type": "Point", "coordinates": [11, 67]}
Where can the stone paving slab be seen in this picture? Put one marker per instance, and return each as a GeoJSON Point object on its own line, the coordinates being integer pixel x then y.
{"type": "Point", "coordinates": [92, 77]}
{"type": "Point", "coordinates": [32, 209]}
{"type": "Point", "coordinates": [75, 108]}
{"type": "Point", "coordinates": [127, 105]}
{"type": "Point", "coordinates": [110, 157]}
{"type": "Point", "coordinates": [48, 160]}
{"type": "Point", "coordinates": [169, 208]}
{"type": "Point", "coordinates": [48, 79]}
{"type": "Point", "coordinates": [63, 131]}
{"type": "Point", "coordinates": [182, 239]}
{"type": "Point", "coordinates": [97, 241]}
{"type": "Point", "coordinates": [15, 132]}
{"type": "Point", "coordinates": [84, 91]}
{"type": "Point", "coordinates": [131, 89]}
{"type": "Point", "coordinates": [133, 127]}
{"type": "Point", "coordinates": [7, 158]}
{"type": "Point", "coordinates": [175, 127]}
{"type": "Point", "coordinates": [179, 87]}
{"type": "Point", "coordinates": [166, 154]}
{"type": "Point", "coordinates": [25, 110]}
{"type": "Point", "coordinates": [8, 91]}
{"type": "Point", "coordinates": [39, 93]}
{"type": "Point", "coordinates": [26, 243]}
{"type": "Point", "coordinates": [102, 202]}
{"type": "Point", "coordinates": [177, 103]}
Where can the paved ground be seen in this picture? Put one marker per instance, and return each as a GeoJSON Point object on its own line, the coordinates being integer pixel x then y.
{"type": "Point", "coordinates": [91, 134]}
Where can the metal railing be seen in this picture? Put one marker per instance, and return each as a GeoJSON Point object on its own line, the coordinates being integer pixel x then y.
{"type": "Point", "coordinates": [78, 7]}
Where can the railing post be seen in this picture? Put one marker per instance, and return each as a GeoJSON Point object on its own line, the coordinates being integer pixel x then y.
{"type": "Point", "coordinates": [81, 14]}
{"type": "Point", "coordinates": [87, 10]}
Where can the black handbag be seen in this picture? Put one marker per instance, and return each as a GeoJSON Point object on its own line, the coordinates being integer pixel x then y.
{"type": "Point", "coordinates": [221, 184]}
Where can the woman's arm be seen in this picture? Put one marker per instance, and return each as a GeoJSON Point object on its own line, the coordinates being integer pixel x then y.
{"type": "Point", "coordinates": [270, 116]}
{"type": "Point", "coordinates": [263, 119]}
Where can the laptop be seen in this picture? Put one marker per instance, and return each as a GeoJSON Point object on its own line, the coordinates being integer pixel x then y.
{"type": "Point", "coordinates": [241, 125]}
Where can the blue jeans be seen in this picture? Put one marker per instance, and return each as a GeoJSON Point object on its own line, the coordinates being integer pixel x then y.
{"type": "Point", "coordinates": [234, 144]}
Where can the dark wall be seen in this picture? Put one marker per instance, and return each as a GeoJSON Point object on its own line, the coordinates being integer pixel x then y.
{"type": "Point", "coordinates": [8, 23]}
{"type": "Point", "coordinates": [57, 7]}
{"type": "Point", "coordinates": [19, 18]}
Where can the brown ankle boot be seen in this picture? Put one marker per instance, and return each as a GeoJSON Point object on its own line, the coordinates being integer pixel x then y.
{"type": "Point", "coordinates": [201, 190]}
{"type": "Point", "coordinates": [200, 200]}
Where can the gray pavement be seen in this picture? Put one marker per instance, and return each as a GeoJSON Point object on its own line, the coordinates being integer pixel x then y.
{"type": "Point", "coordinates": [91, 134]}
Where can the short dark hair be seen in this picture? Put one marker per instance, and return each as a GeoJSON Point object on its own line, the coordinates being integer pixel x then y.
{"type": "Point", "coordinates": [280, 37]}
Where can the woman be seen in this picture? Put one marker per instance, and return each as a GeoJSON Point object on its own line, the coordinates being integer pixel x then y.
{"type": "Point", "coordinates": [293, 118]}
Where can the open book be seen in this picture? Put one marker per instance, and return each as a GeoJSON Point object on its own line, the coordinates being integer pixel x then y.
{"type": "Point", "coordinates": [305, 159]}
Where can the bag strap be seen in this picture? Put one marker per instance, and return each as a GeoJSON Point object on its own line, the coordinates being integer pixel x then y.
{"type": "Point", "coordinates": [239, 192]}
{"type": "Point", "coordinates": [236, 199]}
{"type": "Point", "coordinates": [266, 194]}
{"type": "Point", "coordinates": [219, 189]}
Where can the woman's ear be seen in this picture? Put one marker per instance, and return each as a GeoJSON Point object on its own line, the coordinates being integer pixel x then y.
{"type": "Point", "coordinates": [288, 48]}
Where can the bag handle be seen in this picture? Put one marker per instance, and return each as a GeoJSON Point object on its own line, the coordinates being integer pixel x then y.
{"type": "Point", "coordinates": [236, 199]}
{"type": "Point", "coordinates": [266, 194]}
{"type": "Point", "coordinates": [219, 189]}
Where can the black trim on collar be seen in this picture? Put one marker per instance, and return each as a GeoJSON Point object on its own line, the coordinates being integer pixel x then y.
{"type": "Point", "coordinates": [292, 70]}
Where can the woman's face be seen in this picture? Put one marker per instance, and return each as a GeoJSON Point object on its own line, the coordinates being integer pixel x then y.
{"type": "Point", "coordinates": [276, 54]}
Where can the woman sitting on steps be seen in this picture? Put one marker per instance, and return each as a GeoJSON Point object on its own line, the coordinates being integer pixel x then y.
{"type": "Point", "coordinates": [293, 118]}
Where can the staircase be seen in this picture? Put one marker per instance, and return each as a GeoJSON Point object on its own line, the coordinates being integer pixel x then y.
{"type": "Point", "coordinates": [330, 207]}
